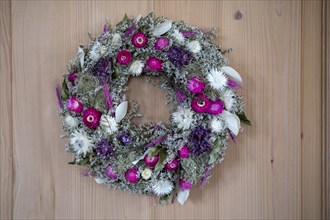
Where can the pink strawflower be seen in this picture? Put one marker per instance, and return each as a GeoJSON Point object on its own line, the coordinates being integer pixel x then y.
{"type": "Point", "coordinates": [161, 43]}
{"type": "Point", "coordinates": [110, 172]}
{"type": "Point", "coordinates": [132, 175]}
{"type": "Point", "coordinates": [172, 165]}
{"type": "Point", "coordinates": [232, 83]}
{"type": "Point", "coordinates": [124, 57]}
{"type": "Point", "coordinates": [139, 40]}
{"type": "Point", "coordinates": [185, 185]}
{"type": "Point", "coordinates": [201, 104]}
{"type": "Point", "coordinates": [184, 152]}
{"type": "Point", "coordinates": [74, 105]}
{"type": "Point", "coordinates": [195, 85]}
{"type": "Point", "coordinates": [72, 77]}
{"type": "Point", "coordinates": [154, 63]}
{"type": "Point", "coordinates": [91, 117]}
{"type": "Point", "coordinates": [216, 107]}
{"type": "Point", "coordinates": [151, 162]}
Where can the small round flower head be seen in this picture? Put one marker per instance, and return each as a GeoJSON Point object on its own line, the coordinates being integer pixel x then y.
{"type": "Point", "coordinates": [180, 96]}
{"type": "Point", "coordinates": [184, 152]}
{"type": "Point", "coordinates": [109, 172]}
{"type": "Point", "coordinates": [194, 46]}
{"type": "Point", "coordinates": [172, 165]}
{"type": "Point", "coordinates": [154, 63]}
{"type": "Point", "coordinates": [71, 122]}
{"type": "Point", "coordinates": [162, 187]}
{"type": "Point", "coordinates": [91, 117]}
{"type": "Point", "coordinates": [199, 140]}
{"type": "Point", "coordinates": [146, 173]}
{"type": "Point", "coordinates": [185, 185]}
{"type": "Point", "coordinates": [74, 105]}
{"type": "Point", "coordinates": [217, 125]}
{"type": "Point", "coordinates": [72, 77]}
{"type": "Point", "coordinates": [201, 104]}
{"type": "Point", "coordinates": [139, 40]}
{"type": "Point", "coordinates": [80, 142]}
{"type": "Point", "coordinates": [183, 118]}
{"type": "Point", "coordinates": [125, 139]}
{"type": "Point", "coordinates": [195, 85]}
{"type": "Point", "coordinates": [217, 79]}
{"type": "Point", "coordinates": [178, 36]}
{"type": "Point", "coordinates": [124, 57]}
{"type": "Point", "coordinates": [151, 161]}
{"type": "Point", "coordinates": [216, 107]}
{"type": "Point", "coordinates": [136, 68]}
{"type": "Point", "coordinates": [132, 175]}
{"type": "Point", "coordinates": [103, 149]}
{"type": "Point", "coordinates": [161, 43]}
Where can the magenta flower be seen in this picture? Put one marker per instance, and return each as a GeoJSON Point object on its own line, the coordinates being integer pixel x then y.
{"type": "Point", "coordinates": [185, 185]}
{"type": "Point", "coordinates": [132, 175]}
{"type": "Point", "coordinates": [110, 172]}
{"type": "Point", "coordinates": [172, 165]}
{"type": "Point", "coordinates": [184, 152]}
{"type": "Point", "coordinates": [195, 85]}
{"type": "Point", "coordinates": [201, 104]}
{"type": "Point", "coordinates": [124, 57]}
{"type": "Point", "coordinates": [139, 40]}
{"type": "Point", "coordinates": [232, 83]}
{"type": "Point", "coordinates": [151, 162]}
{"type": "Point", "coordinates": [72, 77]}
{"type": "Point", "coordinates": [74, 105]}
{"type": "Point", "coordinates": [216, 107]}
{"type": "Point", "coordinates": [181, 97]}
{"type": "Point", "coordinates": [188, 33]}
{"type": "Point", "coordinates": [161, 43]}
{"type": "Point", "coordinates": [91, 117]}
{"type": "Point", "coordinates": [154, 63]}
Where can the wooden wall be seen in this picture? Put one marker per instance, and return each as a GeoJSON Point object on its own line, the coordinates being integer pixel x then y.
{"type": "Point", "coordinates": [274, 169]}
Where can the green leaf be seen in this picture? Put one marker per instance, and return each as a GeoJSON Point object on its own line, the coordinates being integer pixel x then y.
{"type": "Point", "coordinates": [161, 162]}
{"type": "Point", "coordinates": [72, 163]}
{"type": "Point", "coordinates": [83, 162]}
{"type": "Point", "coordinates": [243, 118]}
{"type": "Point", "coordinates": [215, 152]}
{"type": "Point", "coordinates": [64, 91]}
{"type": "Point", "coordinates": [153, 151]}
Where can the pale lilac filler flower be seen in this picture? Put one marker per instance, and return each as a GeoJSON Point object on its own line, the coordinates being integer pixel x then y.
{"type": "Point", "coordinates": [91, 117]}
{"type": "Point", "coordinates": [132, 175]}
{"type": "Point", "coordinates": [201, 104]}
{"type": "Point", "coordinates": [195, 85]}
{"type": "Point", "coordinates": [188, 33]}
{"type": "Point", "coordinates": [124, 57]}
{"type": "Point", "coordinates": [199, 140]}
{"type": "Point", "coordinates": [139, 40]}
{"type": "Point", "coordinates": [161, 43]}
{"type": "Point", "coordinates": [74, 105]}
{"type": "Point", "coordinates": [185, 185]}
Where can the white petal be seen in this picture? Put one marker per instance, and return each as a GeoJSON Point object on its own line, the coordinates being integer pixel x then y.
{"type": "Point", "coordinates": [233, 122]}
{"type": "Point", "coordinates": [183, 196]}
{"type": "Point", "coordinates": [140, 158]}
{"type": "Point", "coordinates": [232, 73]}
{"type": "Point", "coordinates": [121, 111]}
{"type": "Point", "coordinates": [100, 180]}
{"type": "Point", "coordinates": [162, 28]}
{"type": "Point", "coordinates": [81, 56]}
{"type": "Point", "coordinates": [137, 19]}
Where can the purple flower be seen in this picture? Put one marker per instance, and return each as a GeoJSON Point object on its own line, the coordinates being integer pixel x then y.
{"type": "Point", "coordinates": [201, 104]}
{"type": "Point", "coordinates": [104, 149]}
{"type": "Point", "coordinates": [188, 33]}
{"type": "Point", "coordinates": [139, 40]}
{"type": "Point", "coordinates": [180, 96]}
{"type": "Point", "coordinates": [232, 83]}
{"type": "Point", "coordinates": [151, 161]}
{"type": "Point", "coordinates": [132, 175]}
{"type": "Point", "coordinates": [91, 117]}
{"type": "Point", "coordinates": [110, 172]}
{"type": "Point", "coordinates": [161, 43]}
{"type": "Point", "coordinates": [185, 185]}
{"type": "Point", "coordinates": [178, 56]}
{"type": "Point", "coordinates": [195, 85]}
{"type": "Point", "coordinates": [172, 165]}
{"type": "Point", "coordinates": [184, 152]}
{"type": "Point", "coordinates": [216, 107]}
{"type": "Point", "coordinates": [125, 139]}
{"type": "Point", "coordinates": [74, 105]}
{"type": "Point", "coordinates": [124, 57]}
{"type": "Point", "coordinates": [154, 63]}
{"type": "Point", "coordinates": [101, 70]}
{"type": "Point", "coordinates": [72, 77]}
{"type": "Point", "coordinates": [129, 31]}
{"type": "Point", "coordinates": [199, 140]}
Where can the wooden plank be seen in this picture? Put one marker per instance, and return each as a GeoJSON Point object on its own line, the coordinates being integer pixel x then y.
{"type": "Point", "coordinates": [6, 145]}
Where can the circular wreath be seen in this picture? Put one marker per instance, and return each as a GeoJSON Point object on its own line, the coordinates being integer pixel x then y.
{"type": "Point", "coordinates": [163, 159]}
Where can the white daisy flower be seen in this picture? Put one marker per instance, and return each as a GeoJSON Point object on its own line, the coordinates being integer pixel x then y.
{"type": "Point", "coordinates": [80, 142]}
{"type": "Point", "coordinates": [217, 79]}
{"type": "Point", "coordinates": [194, 46]}
{"type": "Point", "coordinates": [146, 173]}
{"type": "Point", "coordinates": [108, 124]}
{"type": "Point", "coordinates": [136, 68]}
{"type": "Point", "coordinates": [228, 99]}
{"type": "Point", "coordinates": [116, 40]}
{"type": "Point", "coordinates": [71, 122]}
{"type": "Point", "coordinates": [178, 36]}
{"type": "Point", "coordinates": [162, 187]}
{"type": "Point", "coordinates": [183, 118]}
{"type": "Point", "coordinates": [217, 125]}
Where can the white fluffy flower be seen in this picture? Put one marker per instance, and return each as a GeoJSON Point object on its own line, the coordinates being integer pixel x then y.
{"type": "Point", "coordinates": [178, 36]}
{"type": "Point", "coordinates": [183, 118]}
{"type": "Point", "coordinates": [146, 173]}
{"type": "Point", "coordinates": [80, 142]}
{"type": "Point", "coordinates": [194, 46]}
{"type": "Point", "coordinates": [71, 121]}
{"type": "Point", "coordinates": [217, 79]}
{"type": "Point", "coordinates": [136, 68]}
{"type": "Point", "coordinates": [95, 52]}
{"type": "Point", "coordinates": [228, 99]}
{"type": "Point", "coordinates": [108, 124]}
{"type": "Point", "coordinates": [116, 40]}
{"type": "Point", "coordinates": [217, 125]}
{"type": "Point", "coordinates": [162, 187]}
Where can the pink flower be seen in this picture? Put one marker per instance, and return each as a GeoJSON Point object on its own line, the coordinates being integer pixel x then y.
{"type": "Point", "coordinates": [110, 172]}
{"type": "Point", "coordinates": [154, 64]}
{"type": "Point", "coordinates": [195, 85]}
{"type": "Point", "coordinates": [172, 165]}
{"type": "Point", "coordinates": [161, 43]}
{"type": "Point", "coordinates": [232, 83]}
{"type": "Point", "coordinates": [72, 77]}
{"type": "Point", "coordinates": [124, 57]}
{"type": "Point", "coordinates": [201, 104]}
{"type": "Point", "coordinates": [151, 162]}
{"type": "Point", "coordinates": [185, 185]}
{"type": "Point", "coordinates": [184, 152]}
{"type": "Point", "coordinates": [74, 105]}
{"type": "Point", "coordinates": [139, 40]}
{"type": "Point", "coordinates": [181, 97]}
{"type": "Point", "coordinates": [216, 107]}
{"type": "Point", "coordinates": [91, 117]}
{"type": "Point", "coordinates": [188, 33]}
{"type": "Point", "coordinates": [132, 175]}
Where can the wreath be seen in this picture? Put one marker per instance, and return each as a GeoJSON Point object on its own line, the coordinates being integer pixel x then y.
{"type": "Point", "coordinates": [162, 159]}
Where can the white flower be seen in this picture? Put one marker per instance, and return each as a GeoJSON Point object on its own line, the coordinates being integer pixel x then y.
{"type": "Point", "coordinates": [108, 124]}
{"type": "Point", "coordinates": [228, 99]}
{"type": "Point", "coordinates": [80, 142]}
{"type": "Point", "coordinates": [178, 36]}
{"type": "Point", "coordinates": [217, 79]}
{"type": "Point", "coordinates": [116, 40]}
{"type": "Point", "coordinates": [183, 118]}
{"type": "Point", "coordinates": [194, 46]}
{"type": "Point", "coordinates": [136, 68]}
{"type": "Point", "coordinates": [71, 121]}
{"type": "Point", "coordinates": [217, 125]}
{"type": "Point", "coordinates": [162, 187]}
{"type": "Point", "coordinates": [146, 173]}
{"type": "Point", "coordinates": [95, 52]}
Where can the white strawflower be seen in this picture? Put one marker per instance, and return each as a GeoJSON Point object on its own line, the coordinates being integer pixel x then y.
{"type": "Point", "coordinates": [217, 125]}
{"type": "Point", "coordinates": [95, 52]}
{"type": "Point", "coordinates": [80, 142]}
{"type": "Point", "coordinates": [228, 99]}
{"type": "Point", "coordinates": [116, 40]}
{"type": "Point", "coordinates": [217, 79]}
{"type": "Point", "coordinates": [194, 46]}
{"type": "Point", "coordinates": [178, 36]}
{"type": "Point", "coordinates": [136, 68]}
{"type": "Point", "coordinates": [71, 122]}
{"type": "Point", "coordinates": [146, 173]}
{"type": "Point", "coordinates": [162, 187]}
{"type": "Point", "coordinates": [183, 118]}
{"type": "Point", "coordinates": [108, 124]}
